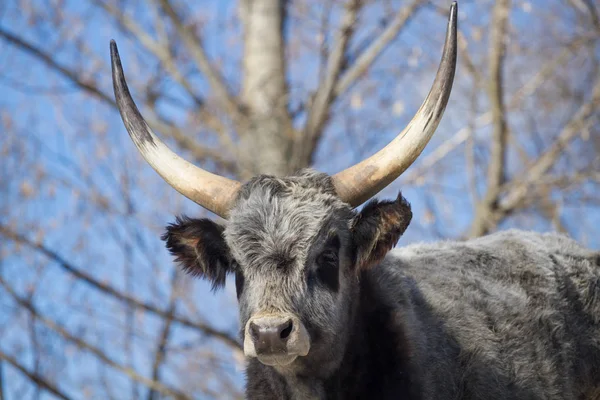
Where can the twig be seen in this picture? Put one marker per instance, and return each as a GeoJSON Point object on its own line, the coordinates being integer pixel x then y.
{"type": "Point", "coordinates": [196, 49]}
{"type": "Point", "coordinates": [321, 105]}
{"type": "Point", "coordinates": [92, 349]}
{"type": "Point", "coordinates": [159, 355]}
{"type": "Point", "coordinates": [496, 169]}
{"type": "Point", "coordinates": [199, 152]}
{"type": "Point", "coordinates": [370, 54]}
{"type": "Point", "coordinates": [38, 380]}
{"type": "Point", "coordinates": [78, 273]}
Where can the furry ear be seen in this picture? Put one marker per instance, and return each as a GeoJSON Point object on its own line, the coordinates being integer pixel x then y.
{"type": "Point", "coordinates": [377, 229]}
{"type": "Point", "coordinates": [199, 247]}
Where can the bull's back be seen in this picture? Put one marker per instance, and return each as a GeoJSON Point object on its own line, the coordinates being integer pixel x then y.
{"type": "Point", "coordinates": [521, 309]}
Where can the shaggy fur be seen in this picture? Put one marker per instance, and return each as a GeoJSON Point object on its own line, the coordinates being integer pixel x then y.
{"type": "Point", "coordinates": [514, 315]}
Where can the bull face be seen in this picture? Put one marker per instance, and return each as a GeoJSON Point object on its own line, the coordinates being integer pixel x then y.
{"type": "Point", "coordinates": [296, 251]}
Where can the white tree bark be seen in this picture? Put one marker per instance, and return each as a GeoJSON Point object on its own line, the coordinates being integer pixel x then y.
{"type": "Point", "coordinates": [267, 143]}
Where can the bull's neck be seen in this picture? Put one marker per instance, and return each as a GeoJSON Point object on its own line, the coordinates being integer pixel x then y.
{"type": "Point", "coordinates": [377, 357]}
{"type": "Point", "coordinates": [375, 361]}
{"type": "Point", "coordinates": [372, 352]}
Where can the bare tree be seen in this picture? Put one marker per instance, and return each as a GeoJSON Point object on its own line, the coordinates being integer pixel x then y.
{"type": "Point", "coordinates": [90, 303]}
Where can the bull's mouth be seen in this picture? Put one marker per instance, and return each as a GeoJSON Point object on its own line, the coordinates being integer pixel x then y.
{"type": "Point", "coordinates": [277, 360]}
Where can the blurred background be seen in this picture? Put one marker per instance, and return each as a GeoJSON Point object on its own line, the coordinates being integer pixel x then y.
{"type": "Point", "coordinates": [91, 304]}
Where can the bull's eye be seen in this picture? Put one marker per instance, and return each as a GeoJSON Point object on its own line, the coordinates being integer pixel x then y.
{"type": "Point", "coordinates": [239, 282]}
{"type": "Point", "coordinates": [328, 264]}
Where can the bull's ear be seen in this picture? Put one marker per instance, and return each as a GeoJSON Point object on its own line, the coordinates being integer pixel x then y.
{"type": "Point", "coordinates": [377, 229]}
{"type": "Point", "coordinates": [200, 248]}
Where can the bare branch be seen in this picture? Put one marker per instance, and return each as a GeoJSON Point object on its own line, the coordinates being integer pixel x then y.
{"type": "Point", "coordinates": [196, 49]}
{"type": "Point", "coordinates": [416, 174]}
{"type": "Point", "coordinates": [157, 49]}
{"type": "Point", "coordinates": [28, 305]}
{"type": "Point", "coordinates": [186, 142]}
{"type": "Point", "coordinates": [496, 168]}
{"type": "Point", "coordinates": [321, 105]}
{"type": "Point", "coordinates": [588, 8]}
{"type": "Point", "coordinates": [51, 62]}
{"type": "Point", "coordinates": [466, 59]}
{"type": "Point", "coordinates": [82, 344]}
{"type": "Point", "coordinates": [33, 377]}
{"type": "Point", "coordinates": [579, 122]}
{"type": "Point", "coordinates": [104, 288]}
{"type": "Point", "coordinates": [163, 54]}
{"type": "Point", "coordinates": [518, 190]}
{"type": "Point", "coordinates": [159, 355]}
{"type": "Point", "coordinates": [370, 54]}
{"type": "Point", "coordinates": [199, 152]}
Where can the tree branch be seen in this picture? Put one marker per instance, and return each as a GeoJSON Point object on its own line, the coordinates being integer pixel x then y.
{"type": "Point", "coordinates": [78, 273]}
{"type": "Point", "coordinates": [196, 49]}
{"type": "Point", "coordinates": [33, 377]}
{"type": "Point", "coordinates": [159, 51]}
{"type": "Point", "coordinates": [580, 121]}
{"type": "Point", "coordinates": [199, 152]}
{"type": "Point", "coordinates": [370, 54]}
{"type": "Point", "coordinates": [51, 62]}
{"type": "Point", "coordinates": [163, 54]}
{"type": "Point", "coordinates": [496, 168]}
{"type": "Point", "coordinates": [92, 349]}
{"type": "Point", "coordinates": [415, 174]}
{"type": "Point", "coordinates": [321, 105]}
{"type": "Point", "coordinates": [160, 352]}
{"type": "Point", "coordinates": [517, 191]}
{"type": "Point", "coordinates": [588, 8]}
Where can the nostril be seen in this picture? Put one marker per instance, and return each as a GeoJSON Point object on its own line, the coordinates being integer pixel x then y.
{"type": "Point", "coordinates": [254, 331]}
{"type": "Point", "coordinates": [287, 329]}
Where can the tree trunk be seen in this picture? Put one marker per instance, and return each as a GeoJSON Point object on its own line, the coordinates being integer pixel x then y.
{"type": "Point", "coordinates": [266, 145]}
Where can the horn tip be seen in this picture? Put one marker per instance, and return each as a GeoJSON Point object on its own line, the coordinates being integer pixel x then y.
{"type": "Point", "coordinates": [453, 10]}
{"type": "Point", "coordinates": [452, 21]}
{"type": "Point", "coordinates": [114, 52]}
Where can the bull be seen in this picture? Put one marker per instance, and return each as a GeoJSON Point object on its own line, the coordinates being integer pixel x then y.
{"type": "Point", "coordinates": [328, 311]}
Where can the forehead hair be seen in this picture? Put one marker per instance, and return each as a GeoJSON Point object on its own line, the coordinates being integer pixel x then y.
{"type": "Point", "coordinates": [275, 220]}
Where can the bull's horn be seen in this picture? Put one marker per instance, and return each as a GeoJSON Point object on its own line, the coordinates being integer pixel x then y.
{"type": "Point", "coordinates": [358, 183]}
{"type": "Point", "coordinates": [213, 192]}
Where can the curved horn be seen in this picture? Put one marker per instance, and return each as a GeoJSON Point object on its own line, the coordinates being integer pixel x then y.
{"type": "Point", "coordinates": [360, 182]}
{"type": "Point", "coordinates": [213, 192]}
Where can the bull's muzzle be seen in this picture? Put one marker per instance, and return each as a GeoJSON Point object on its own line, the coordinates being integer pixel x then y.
{"type": "Point", "coordinates": [275, 339]}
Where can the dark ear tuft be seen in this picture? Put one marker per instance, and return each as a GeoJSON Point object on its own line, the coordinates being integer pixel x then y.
{"type": "Point", "coordinates": [377, 229]}
{"type": "Point", "coordinates": [199, 247]}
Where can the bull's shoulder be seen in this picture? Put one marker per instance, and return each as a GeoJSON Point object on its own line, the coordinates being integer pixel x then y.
{"type": "Point", "coordinates": [513, 270]}
{"type": "Point", "coordinates": [535, 297]}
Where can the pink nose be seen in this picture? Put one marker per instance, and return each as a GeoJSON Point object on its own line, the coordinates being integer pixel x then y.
{"type": "Point", "coordinates": [269, 337]}
{"type": "Point", "coordinates": [273, 336]}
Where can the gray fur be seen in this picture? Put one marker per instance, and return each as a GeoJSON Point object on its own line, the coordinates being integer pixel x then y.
{"type": "Point", "coordinates": [514, 315]}
{"type": "Point", "coordinates": [271, 232]}
{"type": "Point", "coordinates": [523, 307]}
